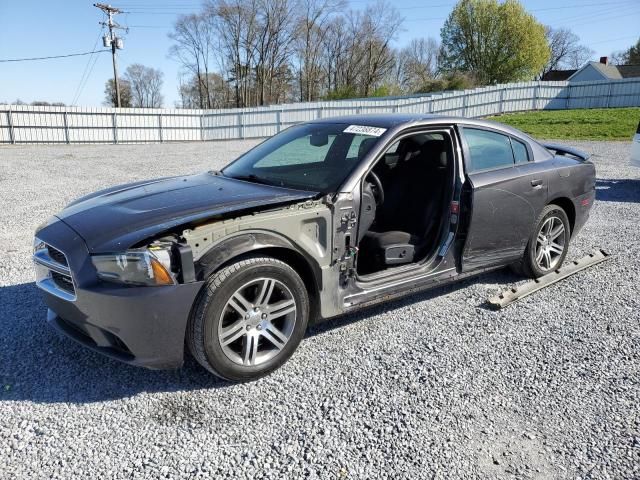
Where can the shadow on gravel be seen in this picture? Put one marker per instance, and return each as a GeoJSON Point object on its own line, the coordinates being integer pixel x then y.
{"type": "Point", "coordinates": [622, 190]}
{"type": "Point", "coordinates": [39, 365]}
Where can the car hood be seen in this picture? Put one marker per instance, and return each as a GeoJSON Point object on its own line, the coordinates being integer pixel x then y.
{"type": "Point", "coordinates": [119, 217]}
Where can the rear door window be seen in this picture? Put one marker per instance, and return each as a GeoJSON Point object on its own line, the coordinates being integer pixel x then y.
{"type": "Point", "coordinates": [487, 150]}
{"type": "Point", "coordinates": [520, 152]}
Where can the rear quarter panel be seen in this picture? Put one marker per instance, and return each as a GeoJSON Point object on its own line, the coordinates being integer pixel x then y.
{"type": "Point", "coordinates": [574, 180]}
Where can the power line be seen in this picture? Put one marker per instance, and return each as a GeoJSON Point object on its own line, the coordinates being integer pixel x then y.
{"type": "Point", "coordinates": [602, 16]}
{"type": "Point", "coordinates": [177, 9]}
{"type": "Point", "coordinates": [95, 60]}
{"type": "Point", "coordinates": [150, 26]}
{"type": "Point", "coordinates": [82, 82]}
{"type": "Point", "coordinates": [626, 4]}
{"type": "Point", "coordinates": [51, 57]}
{"type": "Point", "coordinates": [613, 39]}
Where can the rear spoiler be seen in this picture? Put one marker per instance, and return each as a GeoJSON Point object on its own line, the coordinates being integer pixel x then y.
{"type": "Point", "coordinates": [564, 150]}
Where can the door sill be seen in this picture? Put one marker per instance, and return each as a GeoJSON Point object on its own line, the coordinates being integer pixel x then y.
{"type": "Point", "coordinates": [398, 286]}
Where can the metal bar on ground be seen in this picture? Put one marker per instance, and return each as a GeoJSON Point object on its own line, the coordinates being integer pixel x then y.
{"type": "Point", "coordinates": [507, 297]}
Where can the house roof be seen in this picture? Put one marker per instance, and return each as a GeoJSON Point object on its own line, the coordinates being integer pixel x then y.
{"type": "Point", "coordinates": [629, 71]}
{"type": "Point", "coordinates": [611, 72]}
{"type": "Point", "coordinates": [557, 75]}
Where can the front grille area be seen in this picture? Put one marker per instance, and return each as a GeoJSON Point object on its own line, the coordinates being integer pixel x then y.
{"type": "Point", "coordinates": [52, 271]}
{"type": "Point", "coordinates": [57, 256]}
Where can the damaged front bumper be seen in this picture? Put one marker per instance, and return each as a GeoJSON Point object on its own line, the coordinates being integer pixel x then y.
{"type": "Point", "coordinates": [142, 326]}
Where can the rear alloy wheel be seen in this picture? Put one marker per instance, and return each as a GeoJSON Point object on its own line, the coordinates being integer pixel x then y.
{"type": "Point", "coordinates": [250, 319]}
{"type": "Point", "coordinates": [549, 243]}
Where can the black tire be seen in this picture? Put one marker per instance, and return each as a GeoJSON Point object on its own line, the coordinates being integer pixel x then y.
{"type": "Point", "coordinates": [528, 265]}
{"type": "Point", "coordinates": [212, 306]}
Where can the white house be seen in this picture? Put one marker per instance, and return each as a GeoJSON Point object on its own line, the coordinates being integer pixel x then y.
{"type": "Point", "coordinates": [603, 71]}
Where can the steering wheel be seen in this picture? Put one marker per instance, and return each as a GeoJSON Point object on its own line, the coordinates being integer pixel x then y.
{"type": "Point", "coordinates": [376, 187]}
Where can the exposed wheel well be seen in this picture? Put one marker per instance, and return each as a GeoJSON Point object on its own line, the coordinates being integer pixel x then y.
{"type": "Point", "coordinates": [568, 207]}
{"type": "Point", "coordinates": [296, 261]}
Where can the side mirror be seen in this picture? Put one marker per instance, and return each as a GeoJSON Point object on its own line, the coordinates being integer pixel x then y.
{"type": "Point", "coordinates": [319, 139]}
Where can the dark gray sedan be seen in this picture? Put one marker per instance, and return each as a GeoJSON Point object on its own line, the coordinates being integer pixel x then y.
{"type": "Point", "coordinates": [321, 219]}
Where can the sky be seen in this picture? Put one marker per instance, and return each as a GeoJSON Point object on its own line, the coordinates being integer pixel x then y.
{"type": "Point", "coordinates": [30, 28]}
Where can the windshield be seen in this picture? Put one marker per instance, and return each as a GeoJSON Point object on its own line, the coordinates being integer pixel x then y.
{"type": "Point", "coordinates": [312, 156]}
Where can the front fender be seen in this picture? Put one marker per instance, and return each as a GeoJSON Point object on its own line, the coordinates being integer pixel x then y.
{"type": "Point", "coordinates": [246, 242]}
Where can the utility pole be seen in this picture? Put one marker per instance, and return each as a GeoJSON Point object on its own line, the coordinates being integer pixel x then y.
{"type": "Point", "coordinates": [113, 41]}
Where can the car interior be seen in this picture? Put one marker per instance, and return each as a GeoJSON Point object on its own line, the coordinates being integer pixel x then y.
{"type": "Point", "coordinates": [403, 200]}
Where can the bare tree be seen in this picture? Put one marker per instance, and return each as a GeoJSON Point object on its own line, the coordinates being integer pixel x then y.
{"type": "Point", "coordinates": [267, 51]}
{"type": "Point", "coordinates": [381, 23]}
{"type": "Point", "coordinates": [566, 50]}
{"type": "Point", "coordinates": [235, 22]}
{"type": "Point", "coordinates": [146, 86]}
{"type": "Point", "coordinates": [273, 47]}
{"type": "Point", "coordinates": [192, 37]}
{"type": "Point", "coordinates": [335, 54]}
{"type": "Point", "coordinates": [630, 56]}
{"type": "Point", "coordinates": [313, 25]}
{"type": "Point", "coordinates": [110, 97]}
{"type": "Point", "coordinates": [219, 93]}
{"type": "Point", "coordinates": [417, 64]}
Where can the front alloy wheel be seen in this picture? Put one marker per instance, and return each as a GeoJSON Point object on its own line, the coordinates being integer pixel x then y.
{"type": "Point", "coordinates": [257, 322]}
{"type": "Point", "coordinates": [248, 319]}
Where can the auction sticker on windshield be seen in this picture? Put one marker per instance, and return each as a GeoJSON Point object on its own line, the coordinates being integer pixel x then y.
{"type": "Point", "coordinates": [364, 130]}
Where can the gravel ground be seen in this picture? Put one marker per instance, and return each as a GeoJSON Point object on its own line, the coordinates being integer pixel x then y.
{"type": "Point", "coordinates": [433, 386]}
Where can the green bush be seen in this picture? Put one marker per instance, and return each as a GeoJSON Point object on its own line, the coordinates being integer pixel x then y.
{"type": "Point", "coordinates": [453, 81]}
{"type": "Point", "coordinates": [343, 93]}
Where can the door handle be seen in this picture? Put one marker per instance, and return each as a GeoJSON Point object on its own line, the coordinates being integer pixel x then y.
{"type": "Point", "coordinates": [536, 182]}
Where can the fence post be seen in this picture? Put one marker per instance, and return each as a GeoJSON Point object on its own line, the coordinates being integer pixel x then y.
{"type": "Point", "coordinates": [536, 93]}
{"type": "Point", "coordinates": [609, 94]}
{"type": "Point", "coordinates": [430, 108]}
{"type": "Point", "coordinates": [278, 121]}
{"type": "Point", "coordinates": [319, 114]}
{"type": "Point", "coordinates": [66, 127]}
{"type": "Point", "coordinates": [160, 126]}
{"type": "Point", "coordinates": [567, 105]}
{"type": "Point", "coordinates": [501, 101]}
{"type": "Point", "coordinates": [240, 126]}
{"type": "Point", "coordinates": [464, 104]}
{"type": "Point", "coordinates": [114, 122]}
{"type": "Point", "coordinates": [202, 127]}
{"type": "Point", "coordinates": [12, 134]}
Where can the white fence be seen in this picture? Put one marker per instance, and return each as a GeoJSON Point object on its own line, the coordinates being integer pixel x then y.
{"type": "Point", "coordinates": [26, 124]}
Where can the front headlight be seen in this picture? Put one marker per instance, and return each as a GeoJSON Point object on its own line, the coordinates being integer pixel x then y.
{"type": "Point", "coordinates": [136, 267]}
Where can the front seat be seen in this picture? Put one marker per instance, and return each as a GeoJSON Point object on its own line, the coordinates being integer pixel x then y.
{"type": "Point", "coordinates": [416, 207]}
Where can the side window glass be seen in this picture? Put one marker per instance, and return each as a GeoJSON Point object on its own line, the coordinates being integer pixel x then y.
{"type": "Point", "coordinates": [488, 150]}
{"type": "Point", "coordinates": [520, 152]}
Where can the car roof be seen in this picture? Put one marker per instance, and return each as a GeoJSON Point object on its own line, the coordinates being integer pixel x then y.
{"type": "Point", "coordinates": [390, 120]}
